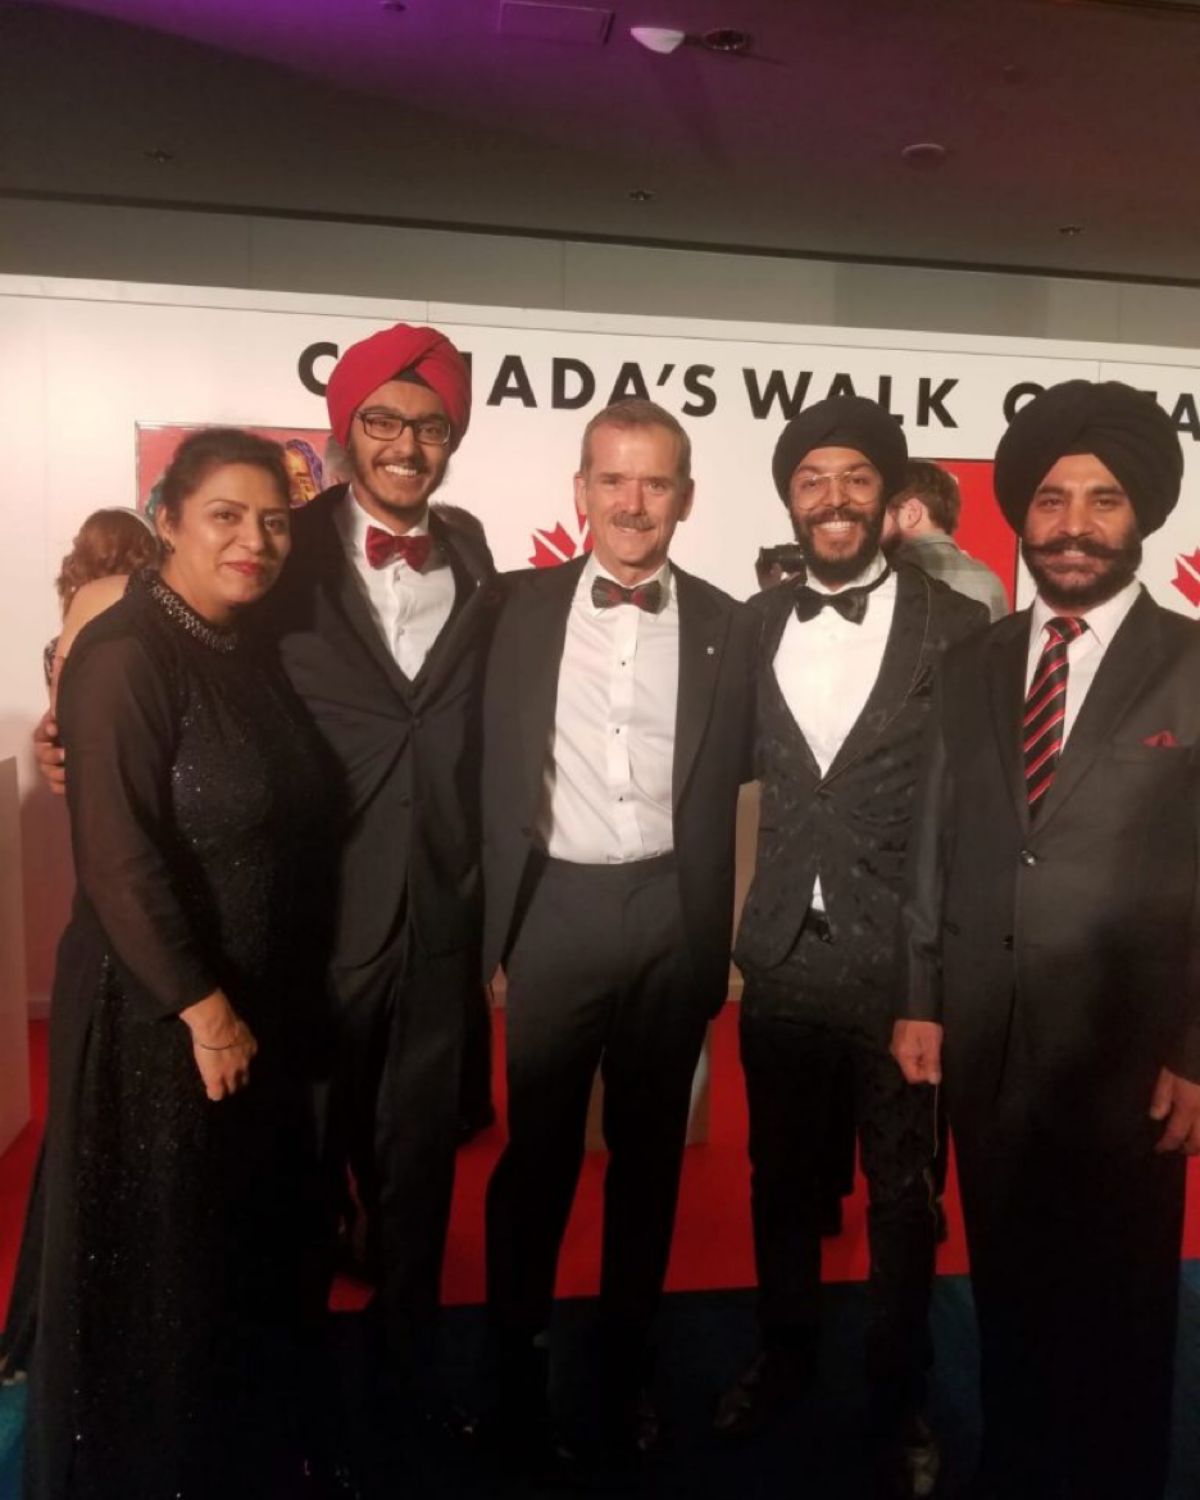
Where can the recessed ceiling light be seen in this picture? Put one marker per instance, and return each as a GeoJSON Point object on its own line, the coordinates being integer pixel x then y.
{"type": "Point", "coordinates": [923, 156]}
{"type": "Point", "coordinates": [657, 38]}
{"type": "Point", "coordinates": [726, 39]}
{"type": "Point", "coordinates": [159, 157]}
{"type": "Point", "coordinates": [642, 195]}
{"type": "Point", "coordinates": [1070, 230]}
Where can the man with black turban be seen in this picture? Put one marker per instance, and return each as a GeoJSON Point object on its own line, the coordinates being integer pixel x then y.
{"type": "Point", "coordinates": [1053, 937]}
{"type": "Point", "coordinates": [846, 663]}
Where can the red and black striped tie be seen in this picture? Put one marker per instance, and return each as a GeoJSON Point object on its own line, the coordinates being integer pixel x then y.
{"type": "Point", "coordinates": [1046, 707]}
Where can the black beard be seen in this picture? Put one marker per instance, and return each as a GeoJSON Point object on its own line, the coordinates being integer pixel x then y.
{"type": "Point", "coordinates": [1123, 563]}
{"type": "Point", "coordinates": [833, 572]}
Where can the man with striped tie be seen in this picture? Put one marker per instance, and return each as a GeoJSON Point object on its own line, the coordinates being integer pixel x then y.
{"type": "Point", "coordinates": [1053, 936]}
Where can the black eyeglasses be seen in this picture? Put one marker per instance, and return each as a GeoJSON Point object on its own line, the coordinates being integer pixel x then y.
{"type": "Point", "coordinates": [386, 425]}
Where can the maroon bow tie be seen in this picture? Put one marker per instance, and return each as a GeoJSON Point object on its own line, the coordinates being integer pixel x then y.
{"type": "Point", "coordinates": [607, 592]}
{"type": "Point", "coordinates": [384, 547]}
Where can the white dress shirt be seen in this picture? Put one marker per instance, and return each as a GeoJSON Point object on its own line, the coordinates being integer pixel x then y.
{"type": "Point", "coordinates": [1085, 652]}
{"type": "Point", "coordinates": [827, 666]}
{"type": "Point", "coordinates": [409, 608]}
{"type": "Point", "coordinates": [608, 789]}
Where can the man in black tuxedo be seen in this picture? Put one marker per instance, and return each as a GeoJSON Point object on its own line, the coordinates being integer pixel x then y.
{"type": "Point", "coordinates": [847, 662]}
{"type": "Point", "coordinates": [616, 722]}
{"type": "Point", "coordinates": [1053, 924]}
{"type": "Point", "coordinates": [382, 619]}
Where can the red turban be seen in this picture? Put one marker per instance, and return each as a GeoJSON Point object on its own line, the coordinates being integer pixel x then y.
{"type": "Point", "coordinates": [367, 365]}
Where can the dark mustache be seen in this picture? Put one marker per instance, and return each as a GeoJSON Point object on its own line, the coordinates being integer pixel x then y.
{"type": "Point", "coordinates": [1084, 544]}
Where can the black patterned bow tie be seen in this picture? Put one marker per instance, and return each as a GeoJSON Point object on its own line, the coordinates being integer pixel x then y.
{"type": "Point", "coordinates": [851, 604]}
{"type": "Point", "coordinates": [607, 592]}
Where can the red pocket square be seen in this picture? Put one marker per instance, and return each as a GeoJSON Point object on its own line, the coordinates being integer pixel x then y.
{"type": "Point", "coordinates": [1163, 739]}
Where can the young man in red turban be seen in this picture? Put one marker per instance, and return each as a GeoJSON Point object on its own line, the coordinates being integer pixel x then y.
{"type": "Point", "coordinates": [381, 620]}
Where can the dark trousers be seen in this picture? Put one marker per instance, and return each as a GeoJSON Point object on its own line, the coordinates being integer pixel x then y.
{"type": "Point", "coordinates": [597, 976]}
{"type": "Point", "coordinates": [1075, 1272]}
{"type": "Point", "coordinates": [793, 1069]}
{"type": "Point", "coordinates": [393, 1117]}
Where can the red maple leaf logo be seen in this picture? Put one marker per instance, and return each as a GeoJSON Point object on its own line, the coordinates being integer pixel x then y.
{"type": "Point", "coordinates": [558, 546]}
{"type": "Point", "coordinates": [1187, 577]}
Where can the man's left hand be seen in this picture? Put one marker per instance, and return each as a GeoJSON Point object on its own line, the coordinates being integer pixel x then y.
{"type": "Point", "coordinates": [1177, 1100]}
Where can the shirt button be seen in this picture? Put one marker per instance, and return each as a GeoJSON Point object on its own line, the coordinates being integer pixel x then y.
{"type": "Point", "coordinates": [1027, 857]}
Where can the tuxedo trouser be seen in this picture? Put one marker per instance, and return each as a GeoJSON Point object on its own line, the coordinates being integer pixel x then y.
{"type": "Point", "coordinates": [1075, 1273]}
{"type": "Point", "coordinates": [394, 1114]}
{"type": "Point", "coordinates": [597, 977]}
{"type": "Point", "coordinates": [793, 1067]}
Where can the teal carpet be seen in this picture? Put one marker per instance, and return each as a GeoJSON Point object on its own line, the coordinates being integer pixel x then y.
{"type": "Point", "coordinates": [817, 1453]}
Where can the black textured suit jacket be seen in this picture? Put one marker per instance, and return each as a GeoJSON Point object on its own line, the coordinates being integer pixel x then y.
{"type": "Point", "coordinates": [405, 752]}
{"type": "Point", "coordinates": [1063, 955]}
{"type": "Point", "coordinates": [712, 753]}
{"type": "Point", "coordinates": [851, 824]}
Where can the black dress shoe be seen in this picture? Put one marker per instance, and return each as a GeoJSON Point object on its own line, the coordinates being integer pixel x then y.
{"type": "Point", "coordinates": [324, 1480]}
{"type": "Point", "coordinates": [530, 1451]}
{"type": "Point", "coordinates": [910, 1466]}
{"type": "Point", "coordinates": [770, 1382]}
{"type": "Point", "coordinates": [632, 1426]}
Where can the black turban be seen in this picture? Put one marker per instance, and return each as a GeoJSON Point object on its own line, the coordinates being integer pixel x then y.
{"type": "Point", "coordinates": [842, 422]}
{"type": "Point", "coordinates": [1125, 429]}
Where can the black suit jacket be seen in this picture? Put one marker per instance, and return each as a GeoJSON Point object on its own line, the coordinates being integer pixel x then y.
{"type": "Point", "coordinates": [1063, 955]}
{"type": "Point", "coordinates": [716, 640]}
{"type": "Point", "coordinates": [406, 753]}
{"type": "Point", "coordinates": [850, 825]}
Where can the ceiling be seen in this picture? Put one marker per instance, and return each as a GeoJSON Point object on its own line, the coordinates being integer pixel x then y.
{"type": "Point", "coordinates": [1055, 116]}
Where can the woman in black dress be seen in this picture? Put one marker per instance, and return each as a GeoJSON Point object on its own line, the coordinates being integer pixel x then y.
{"type": "Point", "coordinates": [176, 1147]}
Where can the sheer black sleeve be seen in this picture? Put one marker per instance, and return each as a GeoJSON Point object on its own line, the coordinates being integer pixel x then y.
{"type": "Point", "coordinates": [117, 725]}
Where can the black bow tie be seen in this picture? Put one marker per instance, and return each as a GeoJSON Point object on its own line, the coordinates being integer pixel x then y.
{"type": "Point", "coordinates": [851, 604]}
{"type": "Point", "coordinates": [607, 593]}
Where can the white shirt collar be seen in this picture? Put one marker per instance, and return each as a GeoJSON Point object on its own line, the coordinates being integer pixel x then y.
{"type": "Point", "coordinates": [874, 569]}
{"type": "Point", "coordinates": [1103, 621]}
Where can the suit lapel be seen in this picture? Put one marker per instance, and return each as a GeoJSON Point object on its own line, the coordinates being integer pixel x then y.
{"type": "Point", "coordinates": [543, 632]}
{"type": "Point", "coordinates": [473, 582]}
{"type": "Point", "coordinates": [1009, 656]}
{"type": "Point", "coordinates": [340, 586]}
{"type": "Point", "coordinates": [1130, 663]}
{"type": "Point", "coordinates": [703, 626]}
{"type": "Point", "coordinates": [779, 602]}
{"type": "Point", "coordinates": [903, 656]}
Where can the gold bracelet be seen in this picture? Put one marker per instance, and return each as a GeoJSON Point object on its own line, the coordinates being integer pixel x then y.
{"type": "Point", "coordinates": [228, 1047]}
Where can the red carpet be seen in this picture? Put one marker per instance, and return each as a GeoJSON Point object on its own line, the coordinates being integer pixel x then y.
{"type": "Point", "coordinates": [712, 1240]}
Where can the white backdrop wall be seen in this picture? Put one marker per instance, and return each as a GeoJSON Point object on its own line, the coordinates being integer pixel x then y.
{"type": "Point", "coordinates": [84, 362]}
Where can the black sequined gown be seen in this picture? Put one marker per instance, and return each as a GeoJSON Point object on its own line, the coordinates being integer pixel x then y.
{"type": "Point", "coordinates": [170, 1287]}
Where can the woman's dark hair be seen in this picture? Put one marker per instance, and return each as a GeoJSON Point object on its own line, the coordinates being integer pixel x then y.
{"type": "Point", "coordinates": [109, 542]}
{"type": "Point", "coordinates": [212, 448]}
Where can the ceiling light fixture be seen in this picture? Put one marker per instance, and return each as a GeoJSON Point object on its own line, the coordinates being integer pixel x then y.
{"type": "Point", "coordinates": [726, 39]}
{"type": "Point", "coordinates": [658, 38]}
{"type": "Point", "coordinates": [924, 156]}
{"type": "Point", "coordinates": [159, 157]}
{"type": "Point", "coordinates": [642, 195]}
{"type": "Point", "coordinates": [1070, 230]}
